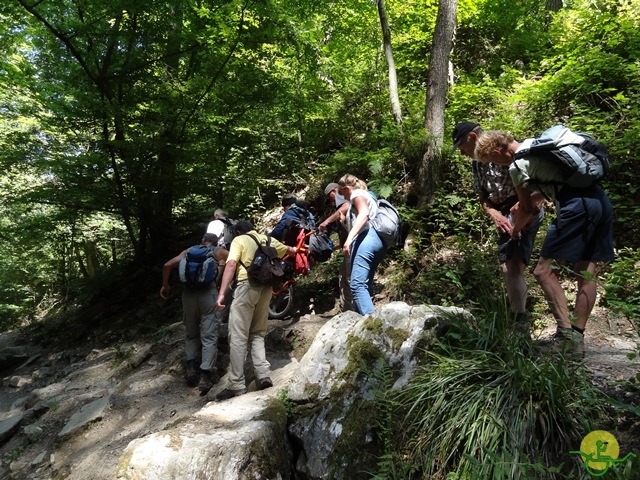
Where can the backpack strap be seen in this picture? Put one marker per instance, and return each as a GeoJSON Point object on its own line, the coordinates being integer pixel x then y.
{"type": "Point", "coordinates": [257, 243]}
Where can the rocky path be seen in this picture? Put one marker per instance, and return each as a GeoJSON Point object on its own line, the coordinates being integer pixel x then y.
{"type": "Point", "coordinates": [70, 414]}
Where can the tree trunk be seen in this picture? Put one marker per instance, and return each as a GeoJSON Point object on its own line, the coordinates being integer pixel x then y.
{"type": "Point", "coordinates": [388, 53]}
{"type": "Point", "coordinates": [430, 171]}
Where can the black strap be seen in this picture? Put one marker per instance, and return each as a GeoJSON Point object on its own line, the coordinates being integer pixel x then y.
{"type": "Point", "coordinates": [259, 245]}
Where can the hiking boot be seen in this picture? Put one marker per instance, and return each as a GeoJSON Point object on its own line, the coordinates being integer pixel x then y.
{"type": "Point", "coordinates": [227, 393]}
{"type": "Point", "coordinates": [191, 373]}
{"type": "Point", "coordinates": [569, 342]}
{"type": "Point", "coordinates": [263, 383]}
{"type": "Point", "coordinates": [207, 381]}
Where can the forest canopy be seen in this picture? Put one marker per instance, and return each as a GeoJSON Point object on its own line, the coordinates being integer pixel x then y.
{"type": "Point", "coordinates": [125, 124]}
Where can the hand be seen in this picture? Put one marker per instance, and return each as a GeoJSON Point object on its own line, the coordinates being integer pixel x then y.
{"type": "Point", "coordinates": [503, 224]}
{"type": "Point", "coordinates": [219, 302]}
{"type": "Point", "coordinates": [346, 248]}
{"type": "Point", "coordinates": [323, 226]}
{"type": "Point", "coordinates": [164, 292]}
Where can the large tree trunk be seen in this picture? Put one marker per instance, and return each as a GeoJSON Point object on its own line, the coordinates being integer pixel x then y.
{"type": "Point", "coordinates": [388, 53]}
{"type": "Point", "coordinates": [430, 171]}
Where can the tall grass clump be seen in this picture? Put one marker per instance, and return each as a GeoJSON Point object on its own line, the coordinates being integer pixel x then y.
{"type": "Point", "coordinates": [487, 404]}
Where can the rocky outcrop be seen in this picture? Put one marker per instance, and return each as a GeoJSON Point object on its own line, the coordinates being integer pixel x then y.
{"type": "Point", "coordinates": [334, 389]}
{"type": "Point", "coordinates": [241, 438]}
{"type": "Point", "coordinates": [340, 385]}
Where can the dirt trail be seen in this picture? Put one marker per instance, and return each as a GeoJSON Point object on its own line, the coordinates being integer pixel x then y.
{"type": "Point", "coordinates": [151, 395]}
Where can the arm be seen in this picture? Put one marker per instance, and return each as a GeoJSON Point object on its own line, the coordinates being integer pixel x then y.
{"type": "Point", "coordinates": [221, 255]}
{"type": "Point", "coordinates": [502, 223]}
{"type": "Point", "coordinates": [526, 212]}
{"type": "Point", "coordinates": [279, 228]}
{"type": "Point", "coordinates": [227, 278]}
{"type": "Point", "coordinates": [166, 273]}
{"type": "Point", "coordinates": [361, 220]}
{"type": "Point", "coordinates": [341, 211]}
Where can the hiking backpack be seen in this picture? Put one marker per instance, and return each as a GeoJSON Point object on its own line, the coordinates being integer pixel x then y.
{"type": "Point", "coordinates": [303, 221]}
{"type": "Point", "coordinates": [387, 223]}
{"type": "Point", "coordinates": [266, 267]}
{"type": "Point", "coordinates": [228, 233]}
{"type": "Point", "coordinates": [320, 246]}
{"type": "Point", "coordinates": [582, 159]}
{"type": "Point", "coordinates": [198, 268]}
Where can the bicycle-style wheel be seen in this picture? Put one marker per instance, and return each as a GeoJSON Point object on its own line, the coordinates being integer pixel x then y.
{"type": "Point", "coordinates": [281, 304]}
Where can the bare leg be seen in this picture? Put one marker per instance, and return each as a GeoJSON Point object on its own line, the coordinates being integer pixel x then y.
{"type": "Point", "coordinates": [587, 289]}
{"type": "Point", "coordinates": [513, 274]}
{"type": "Point", "coordinates": [553, 292]}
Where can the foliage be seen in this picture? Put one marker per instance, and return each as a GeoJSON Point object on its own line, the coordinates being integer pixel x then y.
{"type": "Point", "coordinates": [622, 285]}
{"type": "Point", "coordinates": [486, 406]}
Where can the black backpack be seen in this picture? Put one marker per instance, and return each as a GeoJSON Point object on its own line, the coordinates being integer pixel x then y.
{"type": "Point", "coordinates": [266, 267]}
{"type": "Point", "coordinates": [198, 268]}
{"type": "Point", "coordinates": [320, 246]}
{"type": "Point", "coordinates": [228, 233]}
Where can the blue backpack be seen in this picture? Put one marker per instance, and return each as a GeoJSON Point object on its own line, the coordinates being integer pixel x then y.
{"type": "Point", "coordinates": [582, 159]}
{"type": "Point", "coordinates": [198, 269]}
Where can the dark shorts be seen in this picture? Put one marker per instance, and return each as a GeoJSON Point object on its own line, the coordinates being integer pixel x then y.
{"type": "Point", "coordinates": [583, 227]}
{"type": "Point", "coordinates": [509, 248]}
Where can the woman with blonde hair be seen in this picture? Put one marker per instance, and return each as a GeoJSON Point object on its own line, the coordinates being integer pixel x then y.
{"type": "Point", "coordinates": [363, 245]}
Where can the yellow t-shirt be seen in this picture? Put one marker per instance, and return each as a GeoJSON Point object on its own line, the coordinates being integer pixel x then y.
{"type": "Point", "coordinates": [243, 249]}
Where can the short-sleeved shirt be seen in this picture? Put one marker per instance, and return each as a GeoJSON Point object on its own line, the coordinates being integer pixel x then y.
{"type": "Point", "coordinates": [243, 249]}
{"type": "Point", "coordinates": [493, 181]}
{"type": "Point", "coordinates": [217, 228]}
{"type": "Point", "coordinates": [352, 212]}
{"type": "Point", "coordinates": [548, 177]}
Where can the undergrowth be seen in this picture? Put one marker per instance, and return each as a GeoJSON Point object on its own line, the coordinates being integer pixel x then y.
{"type": "Point", "coordinates": [487, 404]}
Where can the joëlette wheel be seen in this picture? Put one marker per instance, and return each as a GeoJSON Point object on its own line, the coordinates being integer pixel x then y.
{"type": "Point", "coordinates": [281, 305]}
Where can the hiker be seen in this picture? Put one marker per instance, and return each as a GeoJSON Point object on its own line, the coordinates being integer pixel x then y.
{"type": "Point", "coordinates": [497, 196]}
{"type": "Point", "coordinates": [249, 311]}
{"type": "Point", "coordinates": [581, 233]}
{"type": "Point", "coordinates": [342, 207]}
{"type": "Point", "coordinates": [296, 213]}
{"type": "Point", "coordinates": [201, 321]}
{"type": "Point", "coordinates": [222, 227]}
{"type": "Point", "coordinates": [362, 245]}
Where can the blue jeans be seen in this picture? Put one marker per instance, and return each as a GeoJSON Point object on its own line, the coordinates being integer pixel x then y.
{"type": "Point", "coordinates": [367, 251]}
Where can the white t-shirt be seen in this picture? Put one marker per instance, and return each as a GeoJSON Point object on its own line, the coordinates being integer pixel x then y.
{"type": "Point", "coordinates": [353, 213]}
{"type": "Point", "coordinates": [217, 227]}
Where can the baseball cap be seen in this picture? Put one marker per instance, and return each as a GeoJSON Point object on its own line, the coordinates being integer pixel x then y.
{"type": "Point", "coordinates": [330, 187]}
{"type": "Point", "coordinates": [460, 131]}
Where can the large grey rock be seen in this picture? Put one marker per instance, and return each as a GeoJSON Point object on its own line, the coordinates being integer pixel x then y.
{"type": "Point", "coordinates": [339, 379]}
{"type": "Point", "coordinates": [241, 438]}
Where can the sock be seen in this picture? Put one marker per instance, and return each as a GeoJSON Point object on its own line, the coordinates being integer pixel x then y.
{"type": "Point", "coordinates": [578, 329]}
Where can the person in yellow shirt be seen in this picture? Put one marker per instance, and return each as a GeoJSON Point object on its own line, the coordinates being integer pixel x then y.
{"type": "Point", "coordinates": [249, 311]}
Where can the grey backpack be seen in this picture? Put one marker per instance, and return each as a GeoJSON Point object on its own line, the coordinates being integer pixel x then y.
{"type": "Point", "coordinates": [387, 224]}
{"type": "Point", "coordinates": [582, 159]}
